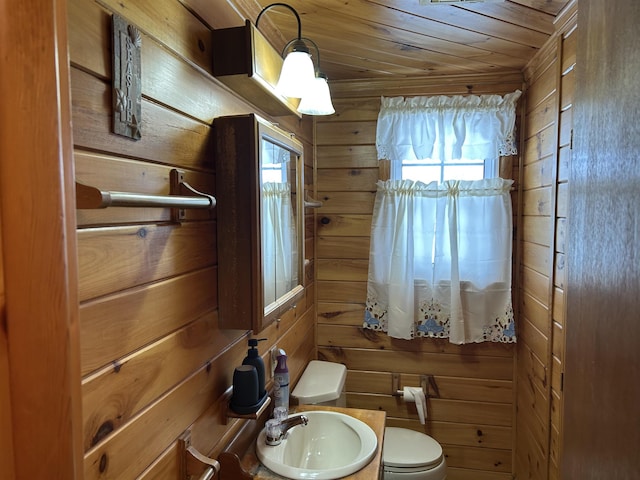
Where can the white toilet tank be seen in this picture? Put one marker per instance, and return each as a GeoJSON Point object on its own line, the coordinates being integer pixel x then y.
{"type": "Point", "coordinates": [321, 383]}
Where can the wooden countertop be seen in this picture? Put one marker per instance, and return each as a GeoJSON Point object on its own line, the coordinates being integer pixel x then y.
{"type": "Point", "coordinates": [376, 419]}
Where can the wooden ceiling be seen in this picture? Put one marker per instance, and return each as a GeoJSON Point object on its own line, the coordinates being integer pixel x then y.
{"type": "Point", "coordinates": [361, 39]}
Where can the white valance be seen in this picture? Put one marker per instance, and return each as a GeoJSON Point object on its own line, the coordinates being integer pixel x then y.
{"type": "Point", "coordinates": [446, 128]}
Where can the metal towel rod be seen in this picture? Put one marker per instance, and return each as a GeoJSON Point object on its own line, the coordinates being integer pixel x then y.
{"type": "Point", "coordinates": [88, 197]}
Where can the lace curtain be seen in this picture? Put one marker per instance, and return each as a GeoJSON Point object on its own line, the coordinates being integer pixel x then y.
{"type": "Point", "coordinates": [440, 255]}
{"type": "Point", "coordinates": [447, 128]}
{"type": "Point", "coordinates": [280, 246]}
{"type": "Point", "coordinates": [440, 261]}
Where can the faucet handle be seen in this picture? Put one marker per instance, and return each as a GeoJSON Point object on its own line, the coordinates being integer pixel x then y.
{"type": "Point", "coordinates": [273, 430]}
{"type": "Point", "coordinates": [280, 414]}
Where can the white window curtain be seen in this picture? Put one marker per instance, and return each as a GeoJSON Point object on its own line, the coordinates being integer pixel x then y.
{"type": "Point", "coordinates": [440, 255]}
{"type": "Point", "coordinates": [280, 246]}
{"type": "Point", "coordinates": [440, 261]}
{"type": "Point", "coordinates": [447, 128]}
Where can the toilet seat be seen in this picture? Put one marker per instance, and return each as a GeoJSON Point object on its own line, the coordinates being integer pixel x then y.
{"type": "Point", "coordinates": [409, 450]}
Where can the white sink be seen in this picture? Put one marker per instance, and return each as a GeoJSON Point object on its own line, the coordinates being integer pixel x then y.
{"type": "Point", "coordinates": [331, 446]}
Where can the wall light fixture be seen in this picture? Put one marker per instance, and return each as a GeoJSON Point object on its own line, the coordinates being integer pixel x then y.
{"type": "Point", "coordinates": [298, 76]}
{"type": "Point", "coordinates": [317, 99]}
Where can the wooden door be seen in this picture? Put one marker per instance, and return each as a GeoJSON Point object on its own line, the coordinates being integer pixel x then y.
{"type": "Point", "coordinates": [602, 388]}
{"type": "Point", "coordinates": [39, 354]}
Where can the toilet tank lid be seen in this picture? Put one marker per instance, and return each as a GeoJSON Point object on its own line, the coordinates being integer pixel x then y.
{"type": "Point", "coordinates": [408, 448]}
{"type": "Point", "coordinates": [320, 382]}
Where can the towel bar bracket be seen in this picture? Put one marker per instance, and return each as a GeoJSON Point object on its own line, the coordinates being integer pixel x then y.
{"type": "Point", "coordinates": [179, 186]}
{"type": "Point", "coordinates": [192, 460]}
{"type": "Point", "coordinates": [176, 177]}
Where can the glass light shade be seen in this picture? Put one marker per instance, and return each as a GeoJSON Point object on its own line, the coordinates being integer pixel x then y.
{"type": "Point", "coordinates": [317, 100]}
{"type": "Point", "coordinates": [296, 75]}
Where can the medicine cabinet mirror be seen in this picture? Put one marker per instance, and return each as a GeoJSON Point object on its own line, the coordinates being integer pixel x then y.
{"type": "Point", "coordinates": [260, 221]}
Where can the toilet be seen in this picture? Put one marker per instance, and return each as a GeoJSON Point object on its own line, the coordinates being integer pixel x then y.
{"type": "Point", "coordinates": [406, 454]}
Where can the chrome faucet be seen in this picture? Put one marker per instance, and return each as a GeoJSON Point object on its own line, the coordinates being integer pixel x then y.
{"type": "Point", "coordinates": [277, 431]}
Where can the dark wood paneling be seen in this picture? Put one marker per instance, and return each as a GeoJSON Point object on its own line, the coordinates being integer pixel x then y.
{"type": "Point", "coordinates": [7, 469]}
{"type": "Point", "coordinates": [601, 434]}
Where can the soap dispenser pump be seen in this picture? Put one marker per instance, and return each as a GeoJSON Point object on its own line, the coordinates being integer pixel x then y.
{"type": "Point", "coordinates": [253, 358]}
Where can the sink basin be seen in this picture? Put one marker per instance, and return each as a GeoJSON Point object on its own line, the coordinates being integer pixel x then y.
{"type": "Point", "coordinates": [331, 446]}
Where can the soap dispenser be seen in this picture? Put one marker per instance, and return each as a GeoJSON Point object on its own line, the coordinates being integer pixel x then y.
{"type": "Point", "coordinates": [253, 358]}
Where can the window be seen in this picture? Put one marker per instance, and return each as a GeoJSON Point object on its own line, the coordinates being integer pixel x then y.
{"type": "Point", "coordinates": [275, 163]}
{"type": "Point", "coordinates": [440, 254]}
{"type": "Point", "coordinates": [428, 170]}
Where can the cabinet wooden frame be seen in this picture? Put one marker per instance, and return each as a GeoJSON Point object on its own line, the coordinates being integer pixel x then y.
{"type": "Point", "coordinates": [238, 188]}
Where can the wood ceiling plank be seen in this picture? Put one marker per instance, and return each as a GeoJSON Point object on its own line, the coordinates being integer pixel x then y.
{"type": "Point", "coordinates": [464, 19]}
{"type": "Point", "coordinates": [549, 6]}
{"type": "Point", "coordinates": [515, 14]}
{"type": "Point", "coordinates": [381, 38]}
{"type": "Point", "coordinates": [364, 32]}
{"type": "Point", "coordinates": [383, 17]}
{"type": "Point", "coordinates": [364, 40]}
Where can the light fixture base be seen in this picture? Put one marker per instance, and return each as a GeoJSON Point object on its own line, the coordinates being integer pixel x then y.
{"type": "Point", "coordinates": [246, 62]}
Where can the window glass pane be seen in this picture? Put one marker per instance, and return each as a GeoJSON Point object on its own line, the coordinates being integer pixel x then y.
{"type": "Point", "coordinates": [426, 161]}
{"type": "Point", "coordinates": [465, 161]}
{"type": "Point", "coordinates": [427, 170]}
{"type": "Point", "coordinates": [272, 173]}
{"type": "Point", "coordinates": [423, 173]}
{"type": "Point", "coordinates": [464, 172]}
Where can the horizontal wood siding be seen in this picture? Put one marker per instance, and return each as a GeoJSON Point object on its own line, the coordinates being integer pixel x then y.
{"type": "Point", "coordinates": [472, 417]}
{"type": "Point", "coordinates": [547, 153]}
{"type": "Point", "coordinates": [565, 146]}
{"type": "Point", "coordinates": [153, 358]}
{"type": "Point", "coordinates": [535, 335]}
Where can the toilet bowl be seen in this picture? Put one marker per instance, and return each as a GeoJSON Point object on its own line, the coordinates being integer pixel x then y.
{"type": "Point", "coordinates": [406, 454]}
{"type": "Point", "coordinates": [411, 455]}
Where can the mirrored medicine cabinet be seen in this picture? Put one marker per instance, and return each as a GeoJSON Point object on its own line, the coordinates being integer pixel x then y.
{"type": "Point", "coordinates": [260, 221]}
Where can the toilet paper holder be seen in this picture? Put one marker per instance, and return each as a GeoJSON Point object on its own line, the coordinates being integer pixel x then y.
{"type": "Point", "coordinates": [427, 383]}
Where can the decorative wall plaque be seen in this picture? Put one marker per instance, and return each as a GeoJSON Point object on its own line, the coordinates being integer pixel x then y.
{"type": "Point", "coordinates": [127, 87]}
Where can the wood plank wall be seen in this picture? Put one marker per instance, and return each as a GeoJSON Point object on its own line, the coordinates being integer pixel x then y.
{"type": "Point", "coordinates": [473, 416]}
{"type": "Point", "coordinates": [153, 360]}
{"type": "Point", "coordinates": [547, 136]}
